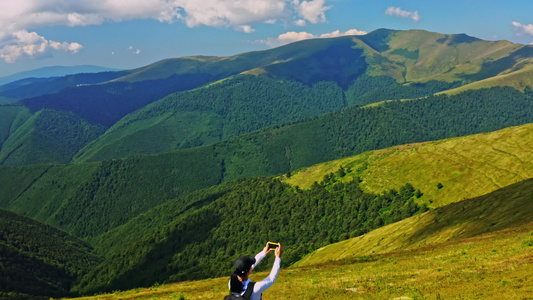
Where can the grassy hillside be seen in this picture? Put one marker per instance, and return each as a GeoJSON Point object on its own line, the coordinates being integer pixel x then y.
{"type": "Point", "coordinates": [180, 241]}
{"type": "Point", "coordinates": [478, 248]}
{"type": "Point", "coordinates": [113, 192]}
{"type": "Point", "coordinates": [207, 115]}
{"type": "Point", "coordinates": [520, 79]}
{"type": "Point", "coordinates": [39, 260]}
{"type": "Point", "coordinates": [506, 207]}
{"type": "Point", "coordinates": [494, 265]}
{"type": "Point", "coordinates": [382, 65]}
{"type": "Point", "coordinates": [466, 166]}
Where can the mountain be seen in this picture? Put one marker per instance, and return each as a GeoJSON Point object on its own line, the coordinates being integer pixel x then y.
{"type": "Point", "coordinates": [35, 87]}
{"type": "Point", "coordinates": [54, 71]}
{"type": "Point", "coordinates": [38, 260]}
{"type": "Point", "coordinates": [73, 196]}
{"type": "Point", "coordinates": [499, 261]}
{"type": "Point", "coordinates": [466, 167]}
{"type": "Point", "coordinates": [157, 235]}
{"type": "Point", "coordinates": [184, 239]}
{"type": "Point", "coordinates": [163, 168]}
{"type": "Point", "coordinates": [333, 209]}
{"type": "Point", "coordinates": [359, 72]}
{"type": "Point", "coordinates": [207, 115]}
{"type": "Point", "coordinates": [119, 116]}
{"type": "Point", "coordinates": [504, 208]}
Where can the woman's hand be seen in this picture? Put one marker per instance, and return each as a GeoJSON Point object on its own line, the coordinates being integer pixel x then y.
{"type": "Point", "coordinates": [267, 249]}
{"type": "Point", "coordinates": [278, 251]}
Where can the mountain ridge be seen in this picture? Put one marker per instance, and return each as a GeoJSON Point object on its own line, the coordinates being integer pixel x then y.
{"type": "Point", "coordinates": [382, 65]}
{"type": "Point", "coordinates": [54, 71]}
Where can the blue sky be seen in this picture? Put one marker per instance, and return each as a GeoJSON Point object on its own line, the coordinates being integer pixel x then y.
{"type": "Point", "coordinates": [132, 33]}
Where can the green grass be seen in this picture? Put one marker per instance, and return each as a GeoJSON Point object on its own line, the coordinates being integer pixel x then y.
{"type": "Point", "coordinates": [510, 206]}
{"type": "Point", "coordinates": [494, 265]}
{"type": "Point", "coordinates": [518, 79]}
{"type": "Point", "coordinates": [466, 166]}
{"type": "Point", "coordinates": [476, 249]}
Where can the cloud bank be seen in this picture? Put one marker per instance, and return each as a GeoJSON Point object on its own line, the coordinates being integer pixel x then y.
{"type": "Point", "coordinates": [522, 29]}
{"type": "Point", "coordinates": [292, 36]}
{"type": "Point", "coordinates": [19, 19]}
{"type": "Point", "coordinates": [23, 43]}
{"type": "Point", "coordinates": [398, 12]}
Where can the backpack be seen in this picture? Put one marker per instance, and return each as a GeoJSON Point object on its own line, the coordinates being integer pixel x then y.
{"type": "Point", "coordinates": [246, 296]}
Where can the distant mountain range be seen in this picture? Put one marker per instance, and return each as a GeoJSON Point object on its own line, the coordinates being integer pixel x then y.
{"type": "Point", "coordinates": [194, 101]}
{"type": "Point", "coordinates": [158, 168]}
{"type": "Point", "coordinates": [54, 71]}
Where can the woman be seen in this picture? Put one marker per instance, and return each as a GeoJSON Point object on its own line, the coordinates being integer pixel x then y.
{"type": "Point", "coordinates": [240, 282]}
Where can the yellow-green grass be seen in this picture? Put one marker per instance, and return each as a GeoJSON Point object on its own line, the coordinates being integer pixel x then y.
{"type": "Point", "coordinates": [495, 265]}
{"type": "Point", "coordinates": [475, 249]}
{"type": "Point", "coordinates": [467, 167]}
{"type": "Point", "coordinates": [517, 79]}
{"type": "Point", "coordinates": [439, 58]}
{"type": "Point", "coordinates": [506, 207]}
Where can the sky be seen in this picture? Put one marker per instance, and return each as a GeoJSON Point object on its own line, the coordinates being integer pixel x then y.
{"type": "Point", "coordinates": [127, 34]}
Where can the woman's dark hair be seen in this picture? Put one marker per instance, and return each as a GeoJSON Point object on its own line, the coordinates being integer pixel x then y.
{"type": "Point", "coordinates": [242, 266]}
{"type": "Point", "coordinates": [235, 285]}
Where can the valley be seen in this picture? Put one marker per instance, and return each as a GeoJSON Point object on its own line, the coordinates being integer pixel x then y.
{"type": "Point", "coordinates": [393, 164]}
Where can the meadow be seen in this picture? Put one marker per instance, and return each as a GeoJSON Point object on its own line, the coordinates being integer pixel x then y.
{"type": "Point", "coordinates": [494, 265]}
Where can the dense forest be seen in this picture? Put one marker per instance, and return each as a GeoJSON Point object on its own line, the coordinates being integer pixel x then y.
{"type": "Point", "coordinates": [39, 260]}
{"type": "Point", "coordinates": [210, 114]}
{"type": "Point", "coordinates": [203, 239]}
{"type": "Point", "coordinates": [236, 106]}
{"type": "Point", "coordinates": [107, 194]}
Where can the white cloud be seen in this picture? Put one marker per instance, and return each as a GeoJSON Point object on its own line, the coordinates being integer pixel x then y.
{"type": "Point", "coordinates": [313, 11]}
{"type": "Point", "coordinates": [300, 22]}
{"type": "Point", "coordinates": [398, 12]}
{"type": "Point", "coordinates": [241, 15]}
{"type": "Point", "coordinates": [337, 33]}
{"type": "Point", "coordinates": [29, 44]}
{"type": "Point", "coordinates": [292, 36]}
{"type": "Point", "coordinates": [133, 50]}
{"type": "Point", "coordinates": [24, 14]}
{"type": "Point", "coordinates": [245, 28]}
{"type": "Point", "coordinates": [522, 29]}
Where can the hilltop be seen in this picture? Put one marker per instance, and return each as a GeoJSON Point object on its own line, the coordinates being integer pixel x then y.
{"type": "Point", "coordinates": [115, 114]}
{"type": "Point", "coordinates": [465, 166]}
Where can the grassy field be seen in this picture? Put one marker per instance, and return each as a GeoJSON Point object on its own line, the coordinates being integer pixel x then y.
{"type": "Point", "coordinates": [508, 207]}
{"type": "Point", "coordinates": [466, 167]}
{"type": "Point", "coordinates": [479, 248]}
{"type": "Point", "coordinates": [494, 265]}
{"type": "Point", "coordinates": [517, 79]}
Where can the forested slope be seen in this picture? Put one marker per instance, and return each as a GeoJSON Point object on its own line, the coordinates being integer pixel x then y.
{"type": "Point", "coordinates": [112, 192]}
{"type": "Point", "coordinates": [203, 240]}
{"type": "Point", "coordinates": [39, 260]}
{"type": "Point", "coordinates": [465, 167]}
{"type": "Point", "coordinates": [504, 208]}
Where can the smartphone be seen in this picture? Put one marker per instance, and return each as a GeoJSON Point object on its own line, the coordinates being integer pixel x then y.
{"type": "Point", "coordinates": [273, 245]}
